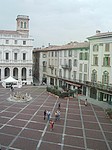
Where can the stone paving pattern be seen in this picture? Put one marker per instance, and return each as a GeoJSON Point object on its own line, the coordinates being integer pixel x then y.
{"type": "Point", "coordinates": [81, 127]}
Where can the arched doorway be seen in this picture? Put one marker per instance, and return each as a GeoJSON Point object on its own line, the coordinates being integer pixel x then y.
{"type": "Point", "coordinates": [7, 72]}
{"type": "Point", "coordinates": [15, 73]}
{"type": "Point", "coordinates": [84, 90]}
{"type": "Point", "coordinates": [93, 92]}
{"type": "Point", "coordinates": [23, 74]}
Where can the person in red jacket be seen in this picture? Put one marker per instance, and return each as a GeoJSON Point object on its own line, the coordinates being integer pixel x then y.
{"type": "Point", "coordinates": [51, 125]}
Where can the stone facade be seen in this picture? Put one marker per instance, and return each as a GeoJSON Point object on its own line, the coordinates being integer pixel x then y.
{"type": "Point", "coordinates": [16, 52]}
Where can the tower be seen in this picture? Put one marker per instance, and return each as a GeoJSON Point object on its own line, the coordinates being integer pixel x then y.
{"type": "Point", "coordinates": [23, 24]}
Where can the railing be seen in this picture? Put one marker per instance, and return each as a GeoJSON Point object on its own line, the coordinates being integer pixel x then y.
{"type": "Point", "coordinates": [66, 66]}
{"type": "Point", "coordinates": [51, 66]}
{"type": "Point", "coordinates": [99, 85]}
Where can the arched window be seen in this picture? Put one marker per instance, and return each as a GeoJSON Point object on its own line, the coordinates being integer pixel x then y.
{"type": "Point", "coordinates": [105, 77]}
{"type": "Point", "coordinates": [21, 24]}
{"type": "Point", "coordinates": [15, 73]}
{"type": "Point", "coordinates": [94, 76]}
{"type": "Point", "coordinates": [25, 25]}
{"type": "Point", "coordinates": [7, 72]}
{"type": "Point", "coordinates": [23, 73]}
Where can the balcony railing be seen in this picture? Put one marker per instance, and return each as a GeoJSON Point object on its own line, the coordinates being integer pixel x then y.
{"type": "Point", "coordinates": [99, 86]}
{"type": "Point", "coordinates": [51, 66]}
{"type": "Point", "coordinates": [67, 67]}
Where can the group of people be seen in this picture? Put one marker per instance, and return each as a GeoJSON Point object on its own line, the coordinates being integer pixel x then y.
{"type": "Point", "coordinates": [47, 114]}
{"type": "Point", "coordinates": [57, 115]}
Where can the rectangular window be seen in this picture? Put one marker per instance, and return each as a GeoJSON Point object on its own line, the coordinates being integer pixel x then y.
{"type": "Point", "coordinates": [65, 53]}
{"type": "Point", "coordinates": [80, 76]}
{"type": "Point", "coordinates": [75, 53]}
{"type": "Point", "coordinates": [80, 67]}
{"type": "Point", "coordinates": [74, 75]}
{"type": "Point", "coordinates": [81, 56]}
{"type": "Point", "coordinates": [24, 42]}
{"type": "Point", "coordinates": [86, 56]}
{"type": "Point", "coordinates": [75, 62]}
{"type": "Point", "coordinates": [60, 53]}
{"type": "Point", "coordinates": [85, 67]}
{"type": "Point", "coordinates": [107, 47]}
{"type": "Point", "coordinates": [64, 73]}
{"type": "Point", "coordinates": [106, 61]}
{"type": "Point", "coordinates": [55, 72]}
{"type": "Point", "coordinates": [56, 53]}
{"type": "Point", "coordinates": [56, 62]}
{"type": "Point", "coordinates": [7, 56]}
{"type": "Point", "coordinates": [7, 41]}
{"type": "Point", "coordinates": [70, 53]}
{"type": "Point", "coordinates": [49, 54]}
{"type": "Point", "coordinates": [24, 56]}
{"type": "Point", "coordinates": [51, 71]}
{"type": "Point", "coordinates": [52, 54]}
{"type": "Point", "coordinates": [49, 62]}
{"type": "Point", "coordinates": [95, 60]}
{"type": "Point", "coordinates": [85, 77]}
{"type": "Point", "coordinates": [15, 41]}
{"type": "Point", "coordinates": [15, 56]}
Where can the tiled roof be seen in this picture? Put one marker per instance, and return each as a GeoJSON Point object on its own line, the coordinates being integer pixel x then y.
{"type": "Point", "coordinates": [100, 35]}
{"type": "Point", "coordinates": [70, 45]}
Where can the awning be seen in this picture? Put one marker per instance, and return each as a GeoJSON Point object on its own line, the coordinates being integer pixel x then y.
{"type": "Point", "coordinates": [73, 84]}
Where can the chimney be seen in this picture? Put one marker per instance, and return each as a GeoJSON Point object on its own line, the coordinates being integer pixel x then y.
{"type": "Point", "coordinates": [97, 31]}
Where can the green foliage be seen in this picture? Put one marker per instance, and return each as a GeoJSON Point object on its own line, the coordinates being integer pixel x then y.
{"type": "Point", "coordinates": [64, 94]}
{"type": "Point", "coordinates": [71, 93]}
{"type": "Point", "coordinates": [109, 111]}
{"type": "Point", "coordinates": [57, 91]}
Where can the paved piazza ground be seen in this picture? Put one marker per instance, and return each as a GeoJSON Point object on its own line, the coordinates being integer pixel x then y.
{"type": "Point", "coordinates": [22, 126]}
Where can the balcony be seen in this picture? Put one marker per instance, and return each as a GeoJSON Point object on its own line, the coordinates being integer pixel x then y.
{"type": "Point", "coordinates": [99, 86]}
{"type": "Point", "coordinates": [51, 66]}
{"type": "Point", "coordinates": [67, 67]}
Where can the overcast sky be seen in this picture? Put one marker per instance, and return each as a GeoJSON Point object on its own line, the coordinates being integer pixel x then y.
{"type": "Point", "coordinates": [58, 21]}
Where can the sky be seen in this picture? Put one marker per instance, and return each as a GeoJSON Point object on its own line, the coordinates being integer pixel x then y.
{"type": "Point", "coordinates": [58, 22]}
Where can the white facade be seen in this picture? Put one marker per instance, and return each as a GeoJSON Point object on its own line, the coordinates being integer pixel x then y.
{"type": "Point", "coordinates": [100, 66]}
{"type": "Point", "coordinates": [16, 52]}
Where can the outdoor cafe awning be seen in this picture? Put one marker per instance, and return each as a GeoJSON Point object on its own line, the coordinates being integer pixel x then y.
{"type": "Point", "coordinates": [77, 85]}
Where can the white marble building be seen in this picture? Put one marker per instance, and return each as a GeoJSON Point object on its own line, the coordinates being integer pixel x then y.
{"type": "Point", "coordinates": [16, 52]}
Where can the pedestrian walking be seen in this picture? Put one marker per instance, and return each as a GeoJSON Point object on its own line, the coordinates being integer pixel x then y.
{"type": "Point", "coordinates": [58, 115]}
{"type": "Point", "coordinates": [51, 125]}
{"type": "Point", "coordinates": [59, 106]}
{"type": "Point", "coordinates": [85, 102]}
{"type": "Point", "coordinates": [48, 115]}
{"type": "Point", "coordinates": [12, 88]}
{"type": "Point", "coordinates": [45, 114]}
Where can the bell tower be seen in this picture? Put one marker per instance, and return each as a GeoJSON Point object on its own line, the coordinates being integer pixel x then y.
{"type": "Point", "coordinates": [23, 24]}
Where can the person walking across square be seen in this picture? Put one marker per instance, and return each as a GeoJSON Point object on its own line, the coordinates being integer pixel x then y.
{"type": "Point", "coordinates": [51, 125]}
{"type": "Point", "coordinates": [44, 114]}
